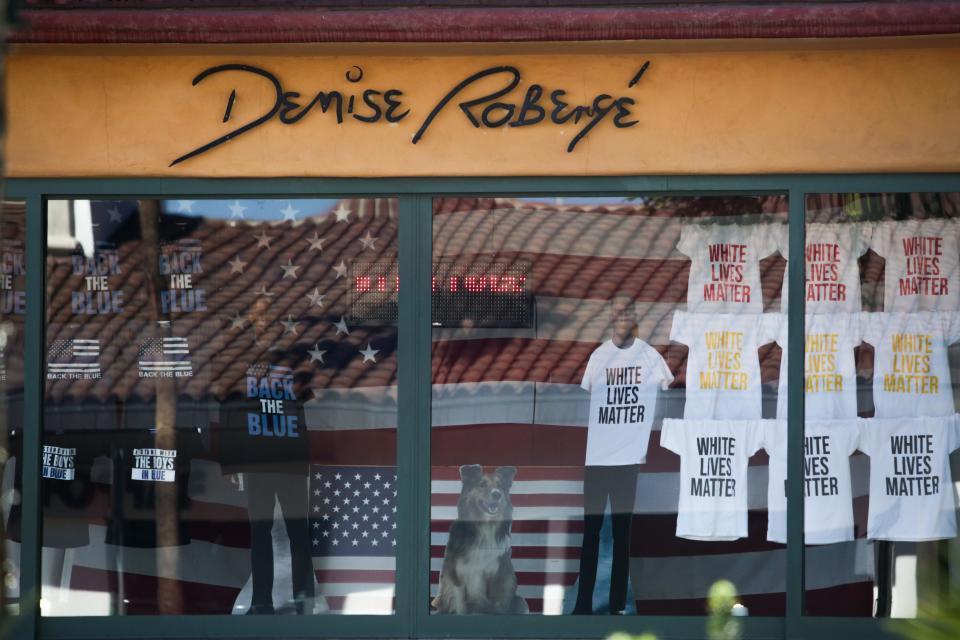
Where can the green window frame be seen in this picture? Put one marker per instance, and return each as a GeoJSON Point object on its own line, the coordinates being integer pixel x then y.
{"type": "Point", "coordinates": [412, 619]}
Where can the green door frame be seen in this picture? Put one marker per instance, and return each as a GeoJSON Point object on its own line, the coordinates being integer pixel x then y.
{"type": "Point", "coordinates": [412, 618]}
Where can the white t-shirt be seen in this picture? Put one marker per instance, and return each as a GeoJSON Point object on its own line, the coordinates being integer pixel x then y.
{"type": "Point", "coordinates": [830, 381]}
{"type": "Point", "coordinates": [713, 474]}
{"type": "Point", "coordinates": [623, 386]}
{"type": "Point", "coordinates": [725, 265]}
{"type": "Point", "coordinates": [911, 489]}
{"type": "Point", "coordinates": [828, 501]}
{"type": "Point", "coordinates": [911, 373]}
{"type": "Point", "coordinates": [922, 272]}
{"type": "Point", "coordinates": [723, 366]}
{"type": "Point", "coordinates": [833, 273]}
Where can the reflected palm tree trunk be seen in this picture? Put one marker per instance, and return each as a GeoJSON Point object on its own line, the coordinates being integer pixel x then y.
{"type": "Point", "coordinates": [169, 595]}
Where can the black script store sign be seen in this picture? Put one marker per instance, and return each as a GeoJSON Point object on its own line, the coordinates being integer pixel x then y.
{"type": "Point", "coordinates": [505, 101]}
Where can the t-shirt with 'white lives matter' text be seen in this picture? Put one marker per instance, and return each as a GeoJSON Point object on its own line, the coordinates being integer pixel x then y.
{"type": "Point", "coordinates": [723, 366]}
{"type": "Point", "coordinates": [623, 385]}
{"type": "Point", "coordinates": [725, 265]}
{"type": "Point", "coordinates": [830, 378]}
{"type": "Point", "coordinates": [831, 263]}
{"type": "Point", "coordinates": [911, 372]}
{"type": "Point", "coordinates": [911, 488]}
{"type": "Point", "coordinates": [922, 271]}
{"type": "Point", "coordinates": [828, 502]}
{"type": "Point", "coordinates": [713, 474]}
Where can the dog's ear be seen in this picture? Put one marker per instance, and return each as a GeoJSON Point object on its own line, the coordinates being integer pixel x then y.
{"type": "Point", "coordinates": [471, 474]}
{"type": "Point", "coordinates": [506, 475]}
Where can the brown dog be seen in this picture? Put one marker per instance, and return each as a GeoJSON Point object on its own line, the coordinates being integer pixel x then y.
{"type": "Point", "coordinates": [477, 574]}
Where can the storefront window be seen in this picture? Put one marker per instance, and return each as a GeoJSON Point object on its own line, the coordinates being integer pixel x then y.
{"type": "Point", "coordinates": [13, 306]}
{"type": "Point", "coordinates": [220, 407]}
{"type": "Point", "coordinates": [604, 389]}
{"type": "Point", "coordinates": [882, 367]}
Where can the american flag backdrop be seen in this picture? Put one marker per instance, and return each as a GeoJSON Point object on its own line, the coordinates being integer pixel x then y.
{"type": "Point", "coordinates": [353, 529]}
{"type": "Point", "coordinates": [281, 280]}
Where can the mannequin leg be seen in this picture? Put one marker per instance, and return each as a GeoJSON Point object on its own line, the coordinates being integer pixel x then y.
{"type": "Point", "coordinates": [623, 493]}
{"type": "Point", "coordinates": [292, 491]}
{"type": "Point", "coordinates": [594, 502]}
{"type": "Point", "coordinates": [260, 497]}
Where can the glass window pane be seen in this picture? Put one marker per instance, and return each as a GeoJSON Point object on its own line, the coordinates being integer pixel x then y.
{"type": "Point", "coordinates": [882, 325]}
{"type": "Point", "coordinates": [220, 428]}
{"type": "Point", "coordinates": [602, 368]}
{"type": "Point", "coordinates": [12, 310]}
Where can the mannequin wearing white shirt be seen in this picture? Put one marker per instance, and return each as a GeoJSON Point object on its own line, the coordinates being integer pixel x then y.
{"type": "Point", "coordinates": [623, 376]}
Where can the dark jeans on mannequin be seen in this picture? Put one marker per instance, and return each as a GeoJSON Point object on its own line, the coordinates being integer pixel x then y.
{"type": "Point", "coordinates": [619, 485]}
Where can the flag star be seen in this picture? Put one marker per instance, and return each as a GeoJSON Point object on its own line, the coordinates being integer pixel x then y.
{"type": "Point", "coordinates": [236, 210]}
{"type": "Point", "coordinates": [376, 493]}
{"type": "Point", "coordinates": [336, 492]}
{"type": "Point", "coordinates": [336, 525]}
{"type": "Point", "coordinates": [316, 298]}
{"type": "Point", "coordinates": [376, 477]}
{"type": "Point", "coordinates": [347, 485]}
{"type": "Point", "coordinates": [356, 525]}
{"type": "Point", "coordinates": [386, 501]}
{"type": "Point", "coordinates": [335, 541]}
{"type": "Point", "coordinates": [316, 509]}
{"type": "Point", "coordinates": [393, 526]}
{"type": "Point", "coordinates": [326, 534]}
{"type": "Point", "coordinates": [374, 543]}
{"type": "Point", "coordinates": [341, 270]}
{"type": "Point", "coordinates": [386, 485]}
{"type": "Point", "coordinates": [289, 269]}
{"type": "Point", "coordinates": [317, 476]}
{"type": "Point", "coordinates": [356, 477]}
{"type": "Point", "coordinates": [326, 516]}
{"type": "Point", "coordinates": [366, 501]}
{"type": "Point", "coordinates": [385, 517]}
{"type": "Point", "coordinates": [375, 526]}
{"type": "Point", "coordinates": [336, 509]}
{"type": "Point", "coordinates": [316, 525]}
{"type": "Point", "coordinates": [369, 353]}
{"type": "Point", "coordinates": [365, 517]}
{"type": "Point", "coordinates": [326, 501]}
{"type": "Point", "coordinates": [356, 493]}
{"type": "Point", "coordinates": [376, 510]}
{"type": "Point", "coordinates": [289, 213]}
{"type": "Point", "coordinates": [346, 517]}
{"type": "Point", "coordinates": [368, 241]}
{"type": "Point", "coordinates": [384, 534]}
{"type": "Point", "coordinates": [326, 485]}
{"type": "Point", "coordinates": [263, 240]}
{"type": "Point", "coordinates": [236, 322]}
{"type": "Point", "coordinates": [356, 509]}
{"type": "Point", "coordinates": [114, 214]}
{"type": "Point", "coordinates": [364, 534]}
{"type": "Point", "coordinates": [316, 242]}
{"type": "Point", "coordinates": [237, 265]}
{"type": "Point", "coordinates": [316, 492]}
{"type": "Point", "coordinates": [346, 534]}
{"type": "Point", "coordinates": [337, 477]}
{"type": "Point", "coordinates": [355, 543]}
{"type": "Point", "coordinates": [342, 213]}
{"type": "Point", "coordinates": [393, 543]}
{"type": "Point", "coordinates": [316, 355]}
{"type": "Point", "coordinates": [341, 328]}
{"type": "Point", "coordinates": [185, 206]}
{"type": "Point", "coordinates": [289, 325]}
{"type": "Point", "coordinates": [315, 542]}
{"type": "Point", "coordinates": [346, 501]}
{"type": "Point", "coordinates": [366, 485]}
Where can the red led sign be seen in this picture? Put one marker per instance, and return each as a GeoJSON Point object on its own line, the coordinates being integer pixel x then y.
{"type": "Point", "coordinates": [477, 295]}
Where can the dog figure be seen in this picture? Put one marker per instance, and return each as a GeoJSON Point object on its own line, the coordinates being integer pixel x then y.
{"type": "Point", "coordinates": [477, 574]}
